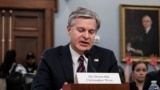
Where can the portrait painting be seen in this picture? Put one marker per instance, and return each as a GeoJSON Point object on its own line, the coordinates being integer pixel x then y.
{"type": "Point", "coordinates": [139, 31]}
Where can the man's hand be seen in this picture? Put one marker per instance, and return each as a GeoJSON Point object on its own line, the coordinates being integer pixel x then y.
{"type": "Point", "coordinates": [64, 84]}
{"type": "Point", "coordinates": [140, 52]}
{"type": "Point", "coordinates": [128, 58]}
{"type": "Point", "coordinates": [153, 61]}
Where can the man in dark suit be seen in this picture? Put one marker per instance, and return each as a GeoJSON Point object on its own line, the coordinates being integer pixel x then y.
{"type": "Point", "coordinates": [154, 75]}
{"type": "Point", "coordinates": [59, 65]}
{"type": "Point", "coordinates": [146, 43]}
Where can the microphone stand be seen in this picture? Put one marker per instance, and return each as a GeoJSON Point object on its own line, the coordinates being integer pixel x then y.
{"type": "Point", "coordinates": [88, 55]}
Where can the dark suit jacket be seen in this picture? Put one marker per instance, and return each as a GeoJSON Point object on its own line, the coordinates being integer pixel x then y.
{"type": "Point", "coordinates": [56, 66]}
{"type": "Point", "coordinates": [155, 75]}
{"type": "Point", "coordinates": [148, 43]}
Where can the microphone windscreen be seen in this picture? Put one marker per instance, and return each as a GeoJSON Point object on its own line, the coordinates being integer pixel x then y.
{"type": "Point", "coordinates": [87, 53]}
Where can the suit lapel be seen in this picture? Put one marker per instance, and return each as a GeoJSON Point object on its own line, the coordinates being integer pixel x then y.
{"type": "Point", "coordinates": [66, 62]}
{"type": "Point", "coordinates": [94, 60]}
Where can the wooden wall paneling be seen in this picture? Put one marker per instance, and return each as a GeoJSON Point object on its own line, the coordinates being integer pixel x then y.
{"type": "Point", "coordinates": [32, 26]}
{"type": "Point", "coordinates": [28, 34]}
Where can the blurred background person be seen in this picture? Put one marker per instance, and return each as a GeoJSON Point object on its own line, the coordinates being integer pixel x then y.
{"type": "Point", "coordinates": [154, 62]}
{"type": "Point", "coordinates": [154, 75]}
{"type": "Point", "coordinates": [139, 71]}
{"type": "Point", "coordinates": [129, 76]}
{"type": "Point", "coordinates": [12, 71]}
{"type": "Point", "coordinates": [137, 76]}
{"type": "Point", "coordinates": [31, 68]}
{"type": "Point", "coordinates": [10, 65]}
{"type": "Point", "coordinates": [31, 63]}
{"type": "Point", "coordinates": [121, 74]}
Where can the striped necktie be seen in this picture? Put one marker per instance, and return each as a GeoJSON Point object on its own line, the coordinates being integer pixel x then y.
{"type": "Point", "coordinates": [81, 67]}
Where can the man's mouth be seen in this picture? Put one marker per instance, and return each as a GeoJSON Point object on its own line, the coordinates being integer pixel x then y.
{"type": "Point", "coordinates": [84, 43]}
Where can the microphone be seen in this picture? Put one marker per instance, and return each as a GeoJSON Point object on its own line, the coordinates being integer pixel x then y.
{"type": "Point", "coordinates": [88, 55]}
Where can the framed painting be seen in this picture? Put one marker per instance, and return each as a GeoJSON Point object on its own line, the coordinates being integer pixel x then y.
{"type": "Point", "coordinates": [139, 27]}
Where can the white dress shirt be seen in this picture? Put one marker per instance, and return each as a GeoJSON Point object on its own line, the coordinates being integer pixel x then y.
{"type": "Point", "coordinates": [75, 57]}
{"type": "Point", "coordinates": [147, 30]}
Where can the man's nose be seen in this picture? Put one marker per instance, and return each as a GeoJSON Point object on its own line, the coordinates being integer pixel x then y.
{"type": "Point", "coordinates": [86, 34]}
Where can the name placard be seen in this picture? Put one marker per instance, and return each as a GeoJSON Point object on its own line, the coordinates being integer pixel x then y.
{"type": "Point", "coordinates": [98, 78]}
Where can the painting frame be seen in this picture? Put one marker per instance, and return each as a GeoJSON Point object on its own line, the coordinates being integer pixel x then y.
{"type": "Point", "coordinates": [130, 25]}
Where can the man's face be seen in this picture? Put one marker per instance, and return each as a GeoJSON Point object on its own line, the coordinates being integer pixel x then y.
{"type": "Point", "coordinates": [146, 21]}
{"type": "Point", "coordinates": [31, 61]}
{"type": "Point", "coordinates": [82, 34]}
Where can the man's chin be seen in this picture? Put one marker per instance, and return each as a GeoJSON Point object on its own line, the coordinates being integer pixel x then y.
{"type": "Point", "coordinates": [85, 48]}
{"type": "Point", "coordinates": [82, 50]}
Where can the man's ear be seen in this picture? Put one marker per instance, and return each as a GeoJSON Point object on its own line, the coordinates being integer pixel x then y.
{"type": "Point", "coordinates": [68, 28]}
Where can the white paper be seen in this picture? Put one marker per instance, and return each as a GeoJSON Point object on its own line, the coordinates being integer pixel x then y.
{"type": "Point", "coordinates": [98, 78]}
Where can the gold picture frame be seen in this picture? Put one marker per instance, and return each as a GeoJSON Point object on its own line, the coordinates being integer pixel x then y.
{"type": "Point", "coordinates": [134, 39]}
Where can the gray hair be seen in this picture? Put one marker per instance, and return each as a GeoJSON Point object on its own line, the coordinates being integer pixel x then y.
{"type": "Point", "coordinates": [83, 13]}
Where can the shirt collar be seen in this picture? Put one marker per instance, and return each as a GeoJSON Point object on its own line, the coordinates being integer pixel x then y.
{"type": "Point", "coordinates": [75, 55]}
{"type": "Point", "coordinates": [147, 29]}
